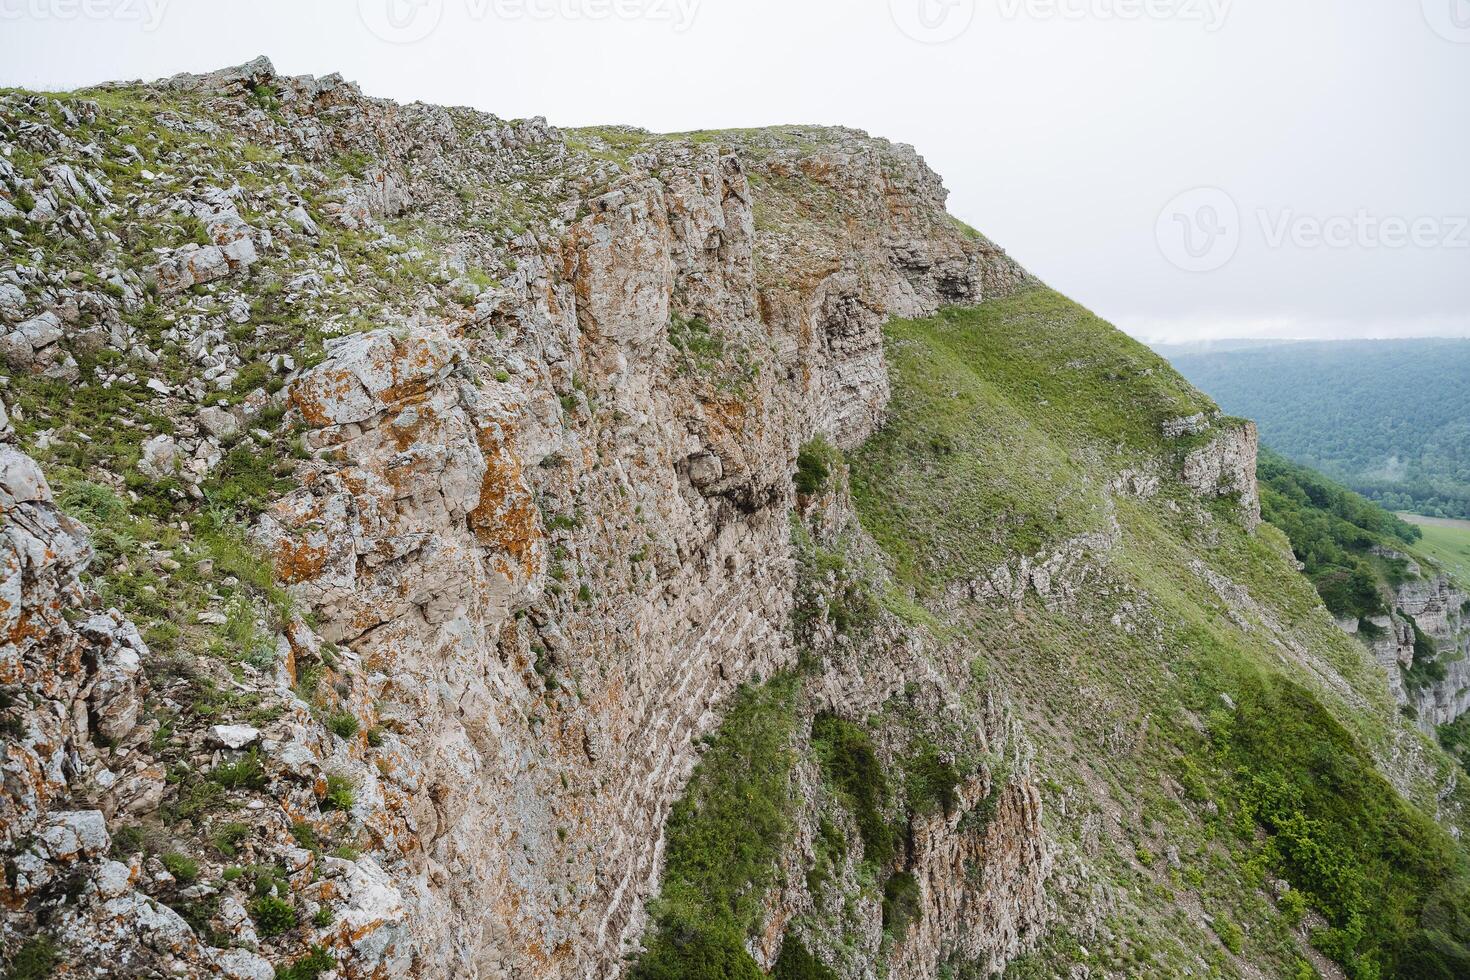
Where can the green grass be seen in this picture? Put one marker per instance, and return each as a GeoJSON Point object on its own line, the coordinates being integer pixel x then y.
{"type": "Point", "coordinates": [850, 763]}
{"type": "Point", "coordinates": [308, 968]}
{"type": "Point", "coordinates": [343, 724]}
{"type": "Point", "coordinates": [723, 839]}
{"type": "Point", "coordinates": [181, 866]}
{"type": "Point", "coordinates": [994, 401]}
{"type": "Point", "coordinates": [1447, 542]}
{"type": "Point", "coordinates": [814, 467]}
{"type": "Point", "coordinates": [341, 794]}
{"type": "Point", "coordinates": [1336, 828]}
{"type": "Point", "coordinates": [35, 959]}
{"type": "Point", "coordinates": [1006, 427]}
{"type": "Point", "coordinates": [272, 916]}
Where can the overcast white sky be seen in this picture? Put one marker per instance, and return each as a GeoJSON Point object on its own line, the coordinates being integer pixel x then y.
{"type": "Point", "coordinates": [1066, 129]}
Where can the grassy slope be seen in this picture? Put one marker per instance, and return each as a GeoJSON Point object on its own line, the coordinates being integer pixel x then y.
{"type": "Point", "coordinates": [1007, 424]}
{"type": "Point", "coordinates": [1447, 542]}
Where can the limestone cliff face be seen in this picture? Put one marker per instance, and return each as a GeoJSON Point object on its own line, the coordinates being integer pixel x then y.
{"type": "Point", "coordinates": [1226, 466]}
{"type": "Point", "coordinates": [535, 540]}
{"type": "Point", "coordinates": [1439, 609]}
{"type": "Point", "coordinates": [430, 486]}
{"type": "Point", "coordinates": [546, 802]}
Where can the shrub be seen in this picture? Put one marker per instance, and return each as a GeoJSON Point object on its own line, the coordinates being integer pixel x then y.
{"type": "Point", "coordinates": [932, 782]}
{"type": "Point", "coordinates": [305, 835]}
{"type": "Point", "coordinates": [851, 764]}
{"type": "Point", "coordinates": [228, 837]}
{"type": "Point", "coordinates": [1293, 906]}
{"type": "Point", "coordinates": [182, 867]}
{"type": "Point", "coordinates": [245, 772]}
{"type": "Point", "coordinates": [343, 724]}
{"type": "Point", "coordinates": [797, 963]}
{"type": "Point", "coordinates": [272, 916]}
{"type": "Point", "coordinates": [341, 794]}
{"type": "Point", "coordinates": [309, 968]}
{"type": "Point", "coordinates": [323, 917]}
{"type": "Point", "coordinates": [35, 960]}
{"type": "Point", "coordinates": [900, 903]}
{"type": "Point", "coordinates": [127, 842]}
{"type": "Point", "coordinates": [813, 467]}
{"type": "Point", "coordinates": [708, 951]}
{"type": "Point", "coordinates": [1230, 934]}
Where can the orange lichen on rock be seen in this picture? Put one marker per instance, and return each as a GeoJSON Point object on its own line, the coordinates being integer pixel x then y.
{"type": "Point", "coordinates": [311, 400]}
{"type": "Point", "coordinates": [506, 517]}
{"type": "Point", "coordinates": [297, 562]}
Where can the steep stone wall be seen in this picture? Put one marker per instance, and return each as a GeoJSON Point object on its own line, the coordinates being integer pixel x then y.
{"type": "Point", "coordinates": [535, 540]}
{"type": "Point", "coordinates": [1442, 612]}
{"type": "Point", "coordinates": [1226, 464]}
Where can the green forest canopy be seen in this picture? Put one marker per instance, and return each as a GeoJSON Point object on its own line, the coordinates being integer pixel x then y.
{"type": "Point", "coordinates": [1389, 418]}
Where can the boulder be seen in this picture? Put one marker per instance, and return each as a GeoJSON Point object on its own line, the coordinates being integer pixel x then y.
{"type": "Point", "coordinates": [160, 459]}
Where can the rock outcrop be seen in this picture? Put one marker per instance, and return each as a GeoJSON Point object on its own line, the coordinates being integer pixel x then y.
{"type": "Point", "coordinates": [1426, 605]}
{"type": "Point", "coordinates": [535, 540]}
{"type": "Point", "coordinates": [431, 485]}
{"type": "Point", "coordinates": [1226, 464]}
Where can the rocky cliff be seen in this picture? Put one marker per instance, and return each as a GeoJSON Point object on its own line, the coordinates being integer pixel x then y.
{"type": "Point", "coordinates": [480, 549]}
{"type": "Point", "coordinates": [1425, 626]}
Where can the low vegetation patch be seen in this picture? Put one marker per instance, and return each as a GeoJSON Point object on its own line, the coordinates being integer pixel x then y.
{"type": "Point", "coordinates": [851, 764]}
{"type": "Point", "coordinates": [814, 466]}
{"type": "Point", "coordinates": [1341, 834]}
{"type": "Point", "coordinates": [797, 963]}
{"type": "Point", "coordinates": [724, 836]}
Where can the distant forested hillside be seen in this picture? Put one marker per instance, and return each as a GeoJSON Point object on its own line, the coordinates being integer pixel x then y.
{"type": "Point", "coordinates": [1389, 418]}
{"type": "Point", "coordinates": [1334, 533]}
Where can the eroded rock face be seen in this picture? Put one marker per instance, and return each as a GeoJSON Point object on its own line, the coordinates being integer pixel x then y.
{"type": "Point", "coordinates": [1442, 613]}
{"type": "Point", "coordinates": [1226, 466]}
{"type": "Point", "coordinates": [72, 690]}
{"type": "Point", "coordinates": [537, 538]}
{"type": "Point", "coordinates": [426, 548]}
